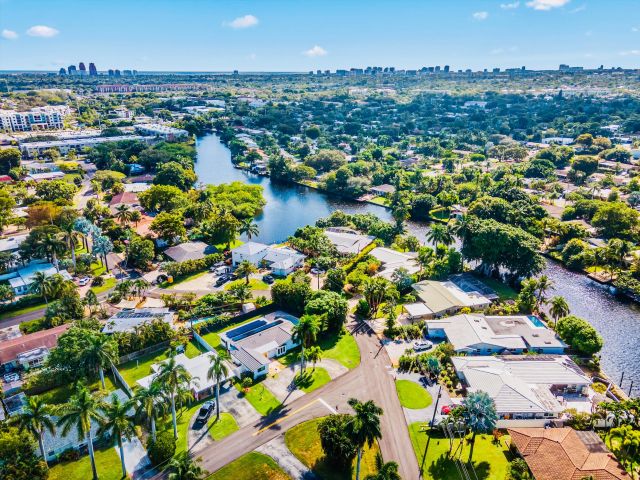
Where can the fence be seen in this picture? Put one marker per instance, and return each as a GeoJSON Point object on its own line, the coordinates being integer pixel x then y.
{"type": "Point", "coordinates": [143, 352]}
{"type": "Point", "coordinates": [203, 343]}
{"type": "Point", "coordinates": [238, 318]}
{"type": "Point", "coordinates": [121, 380]}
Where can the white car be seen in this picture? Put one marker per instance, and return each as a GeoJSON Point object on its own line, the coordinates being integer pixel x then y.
{"type": "Point", "coordinates": [422, 346]}
{"type": "Point", "coordinates": [84, 281]}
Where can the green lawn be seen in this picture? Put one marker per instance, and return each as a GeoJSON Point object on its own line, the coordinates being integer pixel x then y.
{"type": "Point", "coordinates": [252, 466]}
{"type": "Point", "coordinates": [179, 280]}
{"type": "Point", "coordinates": [412, 395]}
{"type": "Point", "coordinates": [21, 311]}
{"type": "Point", "coordinates": [108, 284]}
{"type": "Point", "coordinates": [134, 370]}
{"type": "Point", "coordinates": [221, 247]}
{"type": "Point", "coordinates": [304, 442]}
{"type": "Point", "coordinates": [490, 460]}
{"type": "Point", "coordinates": [379, 201]}
{"type": "Point", "coordinates": [61, 394]}
{"type": "Point", "coordinates": [312, 379]}
{"type": "Point", "coordinates": [504, 291]}
{"type": "Point", "coordinates": [261, 398]}
{"type": "Point", "coordinates": [223, 427]}
{"type": "Point", "coordinates": [254, 284]}
{"type": "Point", "coordinates": [183, 419]}
{"type": "Point", "coordinates": [339, 347]}
{"type": "Point", "coordinates": [107, 464]}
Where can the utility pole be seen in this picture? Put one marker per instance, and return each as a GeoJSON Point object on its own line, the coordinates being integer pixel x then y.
{"type": "Point", "coordinates": [433, 418]}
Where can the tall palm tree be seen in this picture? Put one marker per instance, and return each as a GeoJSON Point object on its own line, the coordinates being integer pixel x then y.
{"type": "Point", "coordinates": [35, 417]}
{"type": "Point", "coordinates": [543, 285]}
{"type": "Point", "coordinates": [314, 355]}
{"type": "Point", "coordinates": [69, 237]}
{"type": "Point", "coordinates": [140, 286]}
{"type": "Point", "coordinates": [217, 371]}
{"type": "Point", "coordinates": [123, 214]}
{"type": "Point", "coordinates": [305, 332]}
{"type": "Point", "coordinates": [479, 415]}
{"type": "Point", "coordinates": [117, 424]}
{"type": "Point", "coordinates": [440, 234]}
{"type": "Point", "coordinates": [42, 285]}
{"type": "Point", "coordinates": [174, 378]}
{"type": "Point", "coordinates": [386, 471]}
{"type": "Point", "coordinates": [91, 300]}
{"type": "Point", "coordinates": [186, 468]}
{"type": "Point", "coordinates": [364, 427]}
{"type": "Point", "coordinates": [149, 404]}
{"type": "Point", "coordinates": [425, 257]}
{"type": "Point", "coordinates": [241, 291]}
{"type": "Point", "coordinates": [244, 269]}
{"type": "Point", "coordinates": [102, 352]}
{"type": "Point", "coordinates": [249, 228]}
{"type": "Point", "coordinates": [559, 308]}
{"type": "Point", "coordinates": [50, 246]}
{"type": "Point", "coordinates": [81, 409]}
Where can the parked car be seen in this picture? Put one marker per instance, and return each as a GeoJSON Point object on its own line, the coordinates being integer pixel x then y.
{"type": "Point", "coordinates": [317, 271]}
{"type": "Point", "coordinates": [422, 346]}
{"type": "Point", "coordinates": [445, 410]}
{"type": "Point", "coordinates": [11, 377]}
{"type": "Point", "coordinates": [83, 281]}
{"type": "Point", "coordinates": [222, 279]}
{"type": "Point", "coordinates": [268, 279]}
{"type": "Point", "coordinates": [205, 411]}
{"type": "Point", "coordinates": [221, 270]}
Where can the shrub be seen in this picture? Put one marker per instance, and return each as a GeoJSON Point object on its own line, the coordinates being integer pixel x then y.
{"type": "Point", "coordinates": [69, 455]}
{"type": "Point", "coordinates": [189, 267]}
{"type": "Point", "coordinates": [579, 334]}
{"type": "Point", "coordinates": [247, 383]}
{"type": "Point", "coordinates": [97, 281]}
{"type": "Point", "coordinates": [363, 309]}
{"type": "Point", "coordinates": [162, 449]}
{"type": "Point", "coordinates": [33, 326]}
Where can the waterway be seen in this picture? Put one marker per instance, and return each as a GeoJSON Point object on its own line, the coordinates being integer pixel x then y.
{"type": "Point", "coordinates": [292, 206]}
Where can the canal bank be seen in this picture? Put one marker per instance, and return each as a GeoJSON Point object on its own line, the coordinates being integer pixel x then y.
{"type": "Point", "coordinates": [293, 206]}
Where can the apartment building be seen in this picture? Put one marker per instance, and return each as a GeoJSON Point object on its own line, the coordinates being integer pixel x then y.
{"type": "Point", "coordinates": [39, 118]}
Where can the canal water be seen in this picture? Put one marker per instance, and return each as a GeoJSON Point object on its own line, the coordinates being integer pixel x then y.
{"type": "Point", "coordinates": [292, 206]}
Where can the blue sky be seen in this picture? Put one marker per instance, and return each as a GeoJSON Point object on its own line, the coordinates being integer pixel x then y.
{"type": "Point", "coordinates": [301, 35]}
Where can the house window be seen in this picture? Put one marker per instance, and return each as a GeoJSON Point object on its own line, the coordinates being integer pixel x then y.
{"type": "Point", "coordinates": [281, 350]}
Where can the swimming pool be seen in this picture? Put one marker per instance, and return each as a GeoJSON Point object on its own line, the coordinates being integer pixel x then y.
{"type": "Point", "coordinates": [536, 321]}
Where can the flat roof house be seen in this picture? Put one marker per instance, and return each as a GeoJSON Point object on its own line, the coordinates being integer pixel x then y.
{"type": "Point", "coordinates": [29, 351]}
{"type": "Point", "coordinates": [189, 251]}
{"type": "Point", "coordinates": [392, 260]}
{"type": "Point", "coordinates": [129, 320]}
{"type": "Point", "coordinates": [447, 298]}
{"type": "Point", "coordinates": [477, 334]}
{"type": "Point", "coordinates": [253, 345]}
{"type": "Point", "coordinates": [281, 260]}
{"type": "Point", "coordinates": [384, 190]}
{"type": "Point", "coordinates": [348, 241]}
{"type": "Point", "coordinates": [23, 278]}
{"type": "Point", "coordinates": [527, 390]}
{"type": "Point", "coordinates": [566, 454]}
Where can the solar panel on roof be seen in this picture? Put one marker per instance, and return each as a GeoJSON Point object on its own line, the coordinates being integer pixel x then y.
{"type": "Point", "coordinates": [232, 334]}
{"type": "Point", "coordinates": [257, 330]}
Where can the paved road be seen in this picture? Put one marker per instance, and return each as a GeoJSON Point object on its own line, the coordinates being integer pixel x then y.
{"type": "Point", "coordinates": [372, 380]}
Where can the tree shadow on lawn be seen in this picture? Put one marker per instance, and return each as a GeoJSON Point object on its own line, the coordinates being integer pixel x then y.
{"type": "Point", "coordinates": [303, 380]}
{"type": "Point", "coordinates": [444, 468]}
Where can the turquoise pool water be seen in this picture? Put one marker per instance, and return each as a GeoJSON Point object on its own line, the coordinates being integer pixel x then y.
{"type": "Point", "coordinates": [536, 321]}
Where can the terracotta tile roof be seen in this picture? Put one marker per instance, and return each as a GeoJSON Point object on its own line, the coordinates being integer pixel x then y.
{"type": "Point", "coordinates": [129, 198]}
{"type": "Point", "coordinates": [10, 349]}
{"type": "Point", "coordinates": [565, 454]}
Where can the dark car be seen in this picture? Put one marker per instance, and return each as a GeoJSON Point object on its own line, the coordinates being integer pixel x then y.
{"type": "Point", "coordinates": [205, 411]}
{"type": "Point", "coordinates": [222, 279]}
{"type": "Point", "coordinates": [268, 279]}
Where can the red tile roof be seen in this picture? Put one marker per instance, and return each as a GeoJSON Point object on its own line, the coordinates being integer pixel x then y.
{"type": "Point", "coordinates": [10, 349]}
{"type": "Point", "coordinates": [564, 454]}
{"type": "Point", "coordinates": [129, 198]}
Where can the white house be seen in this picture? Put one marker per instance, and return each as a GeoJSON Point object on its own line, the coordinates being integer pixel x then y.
{"type": "Point", "coordinates": [22, 279]}
{"type": "Point", "coordinates": [392, 260]}
{"type": "Point", "coordinates": [447, 298]}
{"type": "Point", "coordinates": [281, 260]}
{"type": "Point", "coordinates": [129, 320]}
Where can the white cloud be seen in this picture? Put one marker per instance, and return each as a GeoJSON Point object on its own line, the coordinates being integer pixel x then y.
{"type": "Point", "coordinates": [510, 6]}
{"type": "Point", "coordinates": [635, 29]}
{"type": "Point", "coordinates": [628, 53]}
{"type": "Point", "coordinates": [243, 22]}
{"type": "Point", "coordinates": [546, 4]}
{"type": "Point", "coordinates": [480, 15]}
{"type": "Point", "coordinates": [9, 34]}
{"type": "Point", "coordinates": [42, 31]}
{"type": "Point", "coordinates": [315, 51]}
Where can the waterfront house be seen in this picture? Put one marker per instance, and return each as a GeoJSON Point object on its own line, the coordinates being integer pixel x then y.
{"type": "Point", "coordinates": [189, 251]}
{"type": "Point", "coordinates": [392, 260]}
{"type": "Point", "coordinates": [348, 241]}
{"type": "Point", "coordinates": [384, 190]}
{"type": "Point", "coordinates": [447, 298]}
{"type": "Point", "coordinates": [281, 260]}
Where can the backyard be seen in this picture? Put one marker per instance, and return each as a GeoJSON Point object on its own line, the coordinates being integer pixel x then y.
{"type": "Point", "coordinates": [304, 442]}
{"type": "Point", "coordinates": [490, 459]}
{"type": "Point", "coordinates": [339, 347]}
{"type": "Point", "coordinates": [252, 466]}
{"type": "Point", "coordinates": [61, 394]}
{"type": "Point", "coordinates": [213, 337]}
{"type": "Point", "coordinates": [412, 395]}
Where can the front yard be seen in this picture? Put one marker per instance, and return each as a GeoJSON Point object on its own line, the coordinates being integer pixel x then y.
{"type": "Point", "coordinates": [304, 442]}
{"type": "Point", "coordinates": [412, 395]}
{"type": "Point", "coordinates": [339, 347]}
{"type": "Point", "coordinates": [107, 464]}
{"type": "Point", "coordinates": [490, 460]}
{"type": "Point", "coordinates": [225, 426]}
{"type": "Point", "coordinates": [261, 398]}
{"type": "Point", "coordinates": [252, 466]}
{"type": "Point", "coordinates": [312, 379]}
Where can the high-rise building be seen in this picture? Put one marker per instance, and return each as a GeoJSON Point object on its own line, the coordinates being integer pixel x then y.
{"type": "Point", "coordinates": [82, 70]}
{"type": "Point", "coordinates": [111, 72]}
{"type": "Point", "coordinates": [117, 72]}
{"type": "Point", "coordinates": [446, 69]}
{"type": "Point", "coordinates": [62, 71]}
{"type": "Point", "coordinates": [72, 69]}
{"type": "Point", "coordinates": [92, 69]}
{"type": "Point", "coordinates": [437, 68]}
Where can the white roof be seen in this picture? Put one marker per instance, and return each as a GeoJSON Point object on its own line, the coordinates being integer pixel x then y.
{"type": "Point", "coordinates": [442, 296]}
{"type": "Point", "coordinates": [520, 383]}
{"type": "Point", "coordinates": [348, 242]}
{"type": "Point", "coordinates": [250, 248]}
{"type": "Point", "coordinates": [466, 332]}
{"type": "Point", "coordinates": [392, 260]}
{"type": "Point", "coordinates": [128, 320]}
{"type": "Point", "coordinates": [11, 243]}
{"type": "Point", "coordinates": [417, 309]}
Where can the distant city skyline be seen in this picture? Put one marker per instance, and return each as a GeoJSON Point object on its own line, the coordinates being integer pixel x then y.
{"type": "Point", "coordinates": [283, 35]}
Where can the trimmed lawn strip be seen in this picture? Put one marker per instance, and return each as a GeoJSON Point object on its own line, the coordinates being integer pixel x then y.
{"type": "Point", "coordinates": [107, 464]}
{"type": "Point", "coordinates": [412, 395]}
{"type": "Point", "coordinates": [490, 461]}
{"type": "Point", "coordinates": [304, 442]}
{"type": "Point", "coordinates": [261, 398]}
{"type": "Point", "coordinates": [186, 278]}
{"type": "Point", "coordinates": [252, 466]}
{"type": "Point", "coordinates": [22, 311]}
{"type": "Point", "coordinates": [61, 394]}
{"type": "Point", "coordinates": [254, 284]}
{"type": "Point", "coordinates": [504, 291]}
{"type": "Point", "coordinates": [223, 427]}
{"type": "Point", "coordinates": [108, 284]}
{"type": "Point", "coordinates": [339, 347]}
{"type": "Point", "coordinates": [312, 379]}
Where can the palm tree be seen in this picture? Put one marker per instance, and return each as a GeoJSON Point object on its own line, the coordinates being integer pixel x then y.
{"type": "Point", "coordinates": [249, 228]}
{"type": "Point", "coordinates": [479, 415]}
{"type": "Point", "coordinates": [136, 216]}
{"type": "Point", "coordinates": [441, 235]}
{"type": "Point", "coordinates": [173, 377]}
{"type": "Point", "coordinates": [559, 308]}
{"type": "Point", "coordinates": [35, 417]}
{"type": "Point", "coordinates": [81, 409]}
{"type": "Point", "coordinates": [425, 257]}
{"type": "Point", "coordinates": [364, 427]}
{"type": "Point", "coordinates": [148, 404]}
{"type": "Point", "coordinates": [185, 468]}
{"type": "Point", "coordinates": [305, 332]}
{"type": "Point", "coordinates": [314, 355]}
{"type": "Point", "coordinates": [50, 246]}
{"type": "Point", "coordinates": [102, 352]}
{"type": "Point", "coordinates": [117, 424]}
{"type": "Point", "coordinates": [123, 214]}
{"type": "Point", "coordinates": [91, 300]}
{"type": "Point", "coordinates": [244, 269]}
{"type": "Point", "coordinates": [218, 371]}
{"type": "Point", "coordinates": [241, 291]}
{"type": "Point", "coordinates": [543, 284]}
{"type": "Point", "coordinates": [386, 471]}
{"type": "Point", "coordinates": [140, 286]}
{"type": "Point", "coordinates": [628, 449]}
{"type": "Point", "coordinates": [69, 236]}
{"type": "Point", "coordinates": [41, 285]}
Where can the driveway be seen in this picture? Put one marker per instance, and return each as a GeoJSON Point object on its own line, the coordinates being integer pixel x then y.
{"type": "Point", "coordinates": [277, 449]}
{"type": "Point", "coordinates": [135, 456]}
